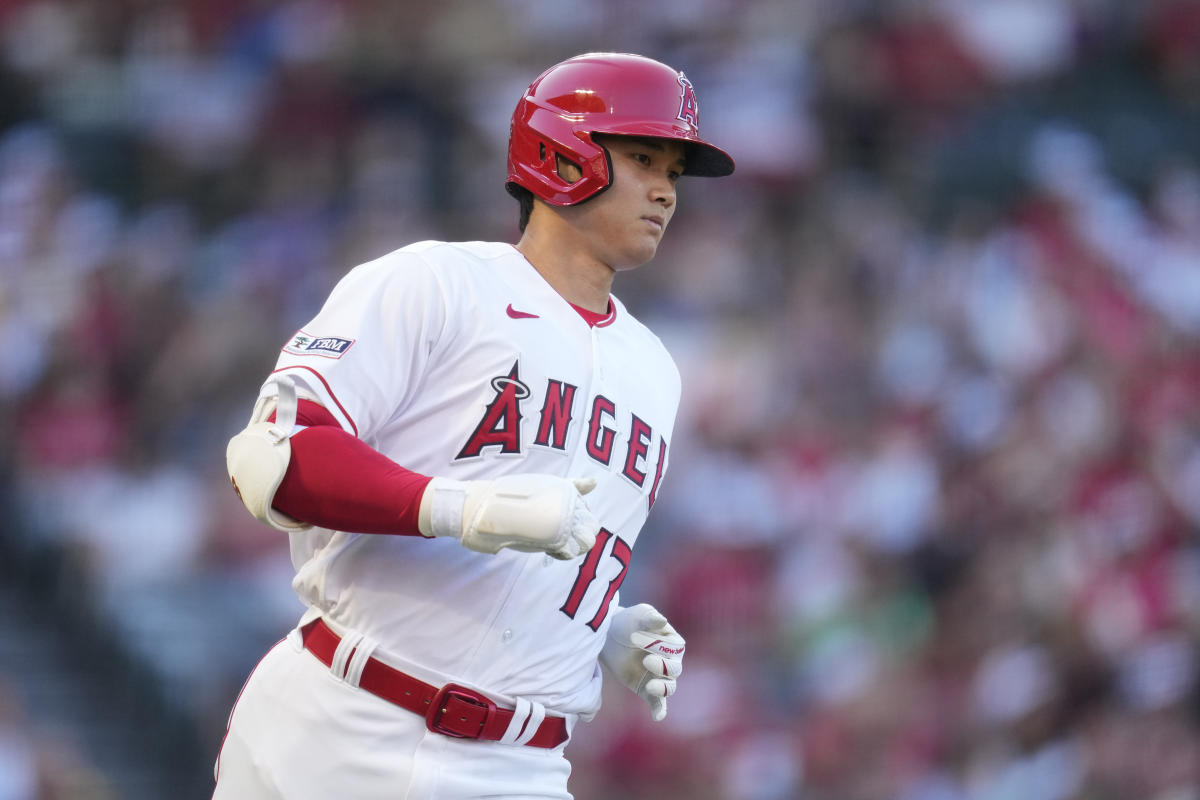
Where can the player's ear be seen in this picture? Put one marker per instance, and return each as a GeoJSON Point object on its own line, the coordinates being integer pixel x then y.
{"type": "Point", "coordinates": [568, 170]}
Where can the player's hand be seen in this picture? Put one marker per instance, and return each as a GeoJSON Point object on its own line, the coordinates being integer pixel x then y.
{"type": "Point", "coordinates": [645, 653]}
{"type": "Point", "coordinates": [533, 513]}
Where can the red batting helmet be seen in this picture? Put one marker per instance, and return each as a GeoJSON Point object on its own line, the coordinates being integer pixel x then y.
{"type": "Point", "coordinates": [615, 93]}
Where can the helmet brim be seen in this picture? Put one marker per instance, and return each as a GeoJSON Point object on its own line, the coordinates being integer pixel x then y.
{"type": "Point", "coordinates": [704, 160]}
{"type": "Point", "coordinates": [707, 161]}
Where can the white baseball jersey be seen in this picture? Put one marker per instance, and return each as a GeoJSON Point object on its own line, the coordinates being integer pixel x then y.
{"type": "Point", "coordinates": [460, 360]}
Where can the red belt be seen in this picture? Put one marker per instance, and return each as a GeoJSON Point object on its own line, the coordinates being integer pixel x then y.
{"type": "Point", "coordinates": [452, 710]}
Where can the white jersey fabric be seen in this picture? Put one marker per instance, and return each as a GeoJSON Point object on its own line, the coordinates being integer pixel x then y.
{"type": "Point", "coordinates": [459, 360]}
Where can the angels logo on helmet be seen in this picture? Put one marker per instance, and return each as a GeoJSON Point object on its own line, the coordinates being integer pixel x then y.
{"type": "Point", "coordinates": [689, 108]}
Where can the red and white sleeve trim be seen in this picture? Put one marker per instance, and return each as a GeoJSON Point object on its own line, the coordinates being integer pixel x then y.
{"type": "Point", "coordinates": [315, 382]}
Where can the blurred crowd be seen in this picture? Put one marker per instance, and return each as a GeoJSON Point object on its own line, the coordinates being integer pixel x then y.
{"type": "Point", "coordinates": [931, 524]}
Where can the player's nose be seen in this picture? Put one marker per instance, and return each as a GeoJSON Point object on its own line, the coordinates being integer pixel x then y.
{"type": "Point", "coordinates": [662, 191]}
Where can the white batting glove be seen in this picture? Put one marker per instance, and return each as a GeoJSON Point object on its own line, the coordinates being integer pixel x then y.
{"type": "Point", "coordinates": [645, 653]}
{"type": "Point", "coordinates": [533, 513]}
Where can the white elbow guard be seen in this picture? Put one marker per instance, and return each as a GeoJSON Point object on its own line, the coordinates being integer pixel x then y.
{"type": "Point", "coordinates": [258, 457]}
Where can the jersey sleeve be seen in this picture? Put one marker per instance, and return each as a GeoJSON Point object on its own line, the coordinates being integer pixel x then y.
{"type": "Point", "coordinates": [364, 354]}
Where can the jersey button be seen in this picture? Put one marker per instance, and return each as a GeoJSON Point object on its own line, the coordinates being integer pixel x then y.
{"type": "Point", "coordinates": [506, 637]}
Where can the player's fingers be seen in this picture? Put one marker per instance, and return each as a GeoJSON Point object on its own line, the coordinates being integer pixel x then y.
{"type": "Point", "coordinates": [658, 708]}
{"type": "Point", "coordinates": [658, 687]}
{"type": "Point", "coordinates": [663, 667]}
{"type": "Point", "coordinates": [651, 620]}
{"type": "Point", "coordinates": [566, 549]}
{"type": "Point", "coordinates": [670, 645]}
{"type": "Point", "coordinates": [581, 538]}
{"type": "Point", "coordinates": [571, 548]}
{"type": "Point", "coordinates": [584, 485]}
{"type": "Point", "coordinates": [584, 528]}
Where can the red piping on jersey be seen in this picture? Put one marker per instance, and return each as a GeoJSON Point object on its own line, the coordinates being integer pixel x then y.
{"type": "Point", "coordinates": [324, 383]}
{"type": "Point", "coordinates": [595, 320]}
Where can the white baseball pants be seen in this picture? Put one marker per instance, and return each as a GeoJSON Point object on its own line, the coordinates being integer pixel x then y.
{"type": "Point", "coordinates": [300, 733]}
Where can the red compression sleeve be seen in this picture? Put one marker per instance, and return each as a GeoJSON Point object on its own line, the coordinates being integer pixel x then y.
{"type": "Point", "coordinates": [336, 481]}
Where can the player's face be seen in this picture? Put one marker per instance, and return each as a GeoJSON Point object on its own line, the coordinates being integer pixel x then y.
{"type": "Point", "coordinates": [624, 224]}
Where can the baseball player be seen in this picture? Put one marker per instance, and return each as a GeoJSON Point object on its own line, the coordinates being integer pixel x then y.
{"type": "Point", "coordinates": [463, 445]}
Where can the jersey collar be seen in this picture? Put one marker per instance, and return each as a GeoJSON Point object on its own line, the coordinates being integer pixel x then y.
{"type": "Point", "coordinates": [595, 320]}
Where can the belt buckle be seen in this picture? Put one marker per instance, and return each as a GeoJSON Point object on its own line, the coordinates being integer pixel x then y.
{"type": "Point", "coordinates": [452, 691]}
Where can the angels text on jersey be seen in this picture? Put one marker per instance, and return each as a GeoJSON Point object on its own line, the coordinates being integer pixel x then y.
{"type": "Point", "coordinates": [500, 427]}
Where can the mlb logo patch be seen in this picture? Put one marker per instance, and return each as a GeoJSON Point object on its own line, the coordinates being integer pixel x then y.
{"type": "Point", "coordinates": [305, 344]}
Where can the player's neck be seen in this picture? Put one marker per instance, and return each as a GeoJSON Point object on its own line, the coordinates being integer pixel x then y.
{"type": "Point", "coordinates": [575, 274]}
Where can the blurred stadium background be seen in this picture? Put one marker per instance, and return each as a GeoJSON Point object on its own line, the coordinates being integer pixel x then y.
{"type": "Point", "coordinates": [931, 523]}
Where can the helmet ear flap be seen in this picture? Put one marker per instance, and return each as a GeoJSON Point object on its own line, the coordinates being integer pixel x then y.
{"type": "Point", "coordinates": [537, 140]}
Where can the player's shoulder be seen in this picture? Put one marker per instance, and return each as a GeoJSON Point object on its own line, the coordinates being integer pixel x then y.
{"type": "Point", "coordinates": [441, 260]}
{"type": "Point", "coordinates": [450, 255]}
{"type": "Point", "coordinates": [433, 262]}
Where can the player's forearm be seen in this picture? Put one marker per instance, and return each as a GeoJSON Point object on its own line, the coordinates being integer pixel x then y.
{"type": "Point", "coordinates": [336, 481]}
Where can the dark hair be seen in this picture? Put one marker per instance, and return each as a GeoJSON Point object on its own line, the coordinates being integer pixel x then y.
{"type": "Point", "coordinates": [525, 198]}
{"type": "Point", "coordinates": [563, 164]}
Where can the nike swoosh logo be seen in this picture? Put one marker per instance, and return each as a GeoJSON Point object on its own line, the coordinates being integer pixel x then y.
{"type": "Point", "coordinates": [512, 312]}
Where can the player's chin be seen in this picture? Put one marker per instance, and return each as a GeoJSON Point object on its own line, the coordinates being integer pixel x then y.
{"type": "Point", "coordinates": [638, 253]}
{"type": "Point", "coordinates": [632, 262]}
